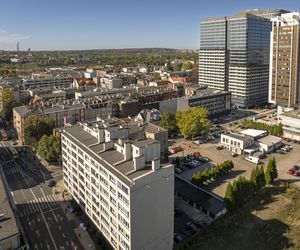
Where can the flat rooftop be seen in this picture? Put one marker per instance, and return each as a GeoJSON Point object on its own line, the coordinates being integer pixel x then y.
{"type": "Point", "coordinates": [292, 114]}
{"type": "Point", "coordinates": [206, 93]}
{"type": "Point", "coordinates": [241, 137]}
{"type": "Point", "coordinates": [270, 140]}
{"type": "Point", "coordinates": [200, 197]}
{"type": "Point", "coordinates": [111, 159]}
{"type": "Point", "coordinates": [8, 225]}
{"type": "Point", "coordinates": [253, 132]}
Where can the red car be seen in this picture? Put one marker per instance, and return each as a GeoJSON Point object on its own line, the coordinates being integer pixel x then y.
{"type": "Point", "coordinates": [295, 170]}
{"type": "Point", "coordinates": [175, 150]}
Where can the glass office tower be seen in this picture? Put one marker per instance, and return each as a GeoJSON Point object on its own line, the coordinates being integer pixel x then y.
{"type": "Point", "coordinates": [234, 56]}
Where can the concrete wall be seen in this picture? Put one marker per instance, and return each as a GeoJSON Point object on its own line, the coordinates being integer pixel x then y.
{"type": "Point", "coordinates": [152, 204]}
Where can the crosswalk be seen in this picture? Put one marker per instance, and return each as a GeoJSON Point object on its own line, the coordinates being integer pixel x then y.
{"type": "Point", "coordinates": [11, 170]}
{"type": "Point", "coordinates": [45, 204]}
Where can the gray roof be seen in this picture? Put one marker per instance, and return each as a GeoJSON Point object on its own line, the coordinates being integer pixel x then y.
{"type": "Point", "coordinates": [152, 128]}
{"type": "Point", "coordinates": [89, 144]}
{"type": "Point", "coordinates": [243, 138]}
{"type": "Point", "coordinates": [8, 225]}
{"type": "Point", "coordinates": [207, 93]}
{"type": "Point", "coordinates": [24, 111]}
{"type": "Point", "coordinates": [270, 140]}
{"type": "Point", "coordinates": [144, 142]}
{"type": "Point", "coordinates": [199, 197]}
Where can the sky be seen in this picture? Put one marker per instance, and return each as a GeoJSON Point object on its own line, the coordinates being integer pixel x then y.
{"type": "Point", "coordinates": [109, 24]}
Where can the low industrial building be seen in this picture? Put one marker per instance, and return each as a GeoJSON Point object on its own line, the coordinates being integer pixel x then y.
{"type": "Point", "coordinates": [269, 143]}
{"type": "Point", "coordinates": [291, 124]}
{"type": "Point", "coordinates": [199, 199]}
{"type": "Point", "coordinates": [251, 141]}
{"type": "Point", "coordinates": [254, 133]}
{"type": "Point", "coordinates": [236, 143]}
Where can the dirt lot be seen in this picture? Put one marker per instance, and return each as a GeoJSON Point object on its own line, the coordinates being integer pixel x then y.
{"type": "Point", "coordinates": [284, 162]}
{"type": "Point", "coordinates": [270, 221]}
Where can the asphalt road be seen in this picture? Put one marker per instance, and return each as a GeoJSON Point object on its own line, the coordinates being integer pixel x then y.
{"type": "Point", "coordinates": [39, 210]}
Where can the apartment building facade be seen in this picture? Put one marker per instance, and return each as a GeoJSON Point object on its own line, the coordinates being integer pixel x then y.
{"type": "Point", "coordinates": [49, 83]}
{"type": "Point", "coordinates": [217, 102]}
{"type": "Point", "coordinates": [234, 56]}
{"type": "Point", "coordinates": [69, 113]}
{"type": "Point", "coordinates": [121, 184]}
{"type": "Point", "coordinates": [284, 84]}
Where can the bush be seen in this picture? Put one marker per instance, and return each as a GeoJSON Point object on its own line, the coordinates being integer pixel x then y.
{"type": "Point", "coordinates": [205, 176]}
{"type": "Point", "coordinates": [239, 192]}
{"type": "Point", "coordinates": [272, 129]}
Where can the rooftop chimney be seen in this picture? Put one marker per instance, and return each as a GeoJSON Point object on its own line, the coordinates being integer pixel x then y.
{"type": "Point", "coordinates": [155, 164]}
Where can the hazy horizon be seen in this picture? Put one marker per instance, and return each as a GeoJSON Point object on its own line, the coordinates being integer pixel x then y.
{"type": "Point", "coordinates": [91, 24]}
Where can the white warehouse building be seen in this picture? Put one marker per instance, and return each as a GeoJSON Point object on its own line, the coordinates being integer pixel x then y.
{"type": "Point", "coordinates": [121, 184]}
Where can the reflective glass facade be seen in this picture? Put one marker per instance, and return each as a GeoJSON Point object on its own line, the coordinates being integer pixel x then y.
{"type": "Point", "coordinates": [234, 56]}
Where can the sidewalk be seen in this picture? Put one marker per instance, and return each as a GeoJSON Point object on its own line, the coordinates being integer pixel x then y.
{"type": "Point", "coordinates": [82, 235]}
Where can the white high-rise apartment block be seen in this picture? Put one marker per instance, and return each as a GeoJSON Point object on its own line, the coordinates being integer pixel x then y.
{"type": "Point", "coordinates": [116, 176]}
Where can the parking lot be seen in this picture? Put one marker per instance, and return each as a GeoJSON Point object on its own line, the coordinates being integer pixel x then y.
{"type": "Point", "coordinates": [285, 161]}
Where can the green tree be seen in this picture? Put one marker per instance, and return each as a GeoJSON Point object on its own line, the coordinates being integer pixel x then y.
{"type": "Point", "coordinates": [156, 77]}
{"type": "Point", "coordinates": [229, 197]}
{"type": "Point", "coordinates": [271, 171]}
{"type": "Point", "coordinates": [8, 103]}
{"type": "Point", "coordinates": [193, 121]}
{"type": "Point", "coordinates": [255, 177]}
{"type": "Point", "coordinates": [35, 127]}
{"type": "Point", "coordinates": [262, 178]}
{"type": "Point", "coordinates": [168, 121]}
{"type": "Point", "coordinates": [49, 147]}
{"type": "Point", "coordinates": [187, 66]}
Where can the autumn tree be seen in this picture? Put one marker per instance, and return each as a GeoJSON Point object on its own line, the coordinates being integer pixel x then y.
{"type": "Point", "coordinates": [192, 122]}
{"type": "Point", "coordinates": [8, 103]}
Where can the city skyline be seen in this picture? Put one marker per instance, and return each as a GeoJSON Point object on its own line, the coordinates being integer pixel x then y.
{"type": "Point", "coordinates": [81, 25]}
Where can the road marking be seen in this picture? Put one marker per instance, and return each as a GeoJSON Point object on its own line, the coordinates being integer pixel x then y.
{"type": "Point", "coordinates": [46, 223]}
{"type": "Point", "coordinates": [50, 208]}
{"type": "Point", "coordinates": [63, 235]}
{"type": "Point", "coordinates": [52, 200]}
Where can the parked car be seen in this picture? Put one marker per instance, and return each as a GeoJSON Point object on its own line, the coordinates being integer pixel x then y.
{"type": "Point", "coordinates": [178, 238]}
{"type": "Point", "coordinates": [177, 212]}
{"type": "Point", "coordinates": [295, 170]}
{"type": "Point", "coordinates": [219, 147]}
{"type": "Point", "coordinates": [234, 154]}
{"type": "Point", "coordinates": [197, 223]}
{"type": "Point", "coordinates": [191, 226]}
{"type": "Point", "coordinates": [252, 159]}
{"type": "Point", "coordinates": [198, 142]}
{"type": "Point", "coordinates": [204, 159]}
{"type": "Point", "coordinates": [175, 150]}
{"type": "Point", "coordinates": [178, 171]}
{"type": "Point", "coordinates": [51, 183]}
{"type": "Point", "coordinates": [195, 163]}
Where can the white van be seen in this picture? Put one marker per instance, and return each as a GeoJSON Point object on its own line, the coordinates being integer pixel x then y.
{"type": "Point", "coordinates": [252, 159]}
